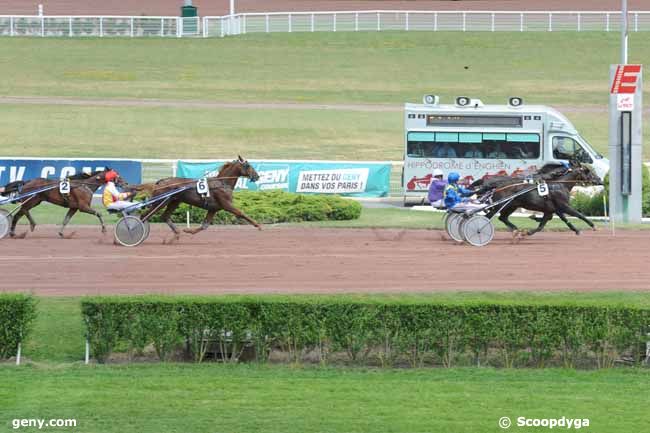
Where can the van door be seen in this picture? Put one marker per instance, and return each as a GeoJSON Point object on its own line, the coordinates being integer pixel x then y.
{"type": "Point", "coordinates": [566, 148]}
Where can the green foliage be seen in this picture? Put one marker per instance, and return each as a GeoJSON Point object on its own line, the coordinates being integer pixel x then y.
{"type": "Point", "coordinates": [270, 207]}
{"type": "Point", "coordinates": [593, 205]}
{"type": "Point", "coordinates": [17, 313]}
{"type": "Point", "coordinates": [386, 333]}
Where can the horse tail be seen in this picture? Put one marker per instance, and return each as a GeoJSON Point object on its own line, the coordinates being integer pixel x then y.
{"type": "Point", "coordinates": [16, 186]}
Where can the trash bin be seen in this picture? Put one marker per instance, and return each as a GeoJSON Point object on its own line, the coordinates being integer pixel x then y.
{"type": "Point", "coordinates": [189, 14]}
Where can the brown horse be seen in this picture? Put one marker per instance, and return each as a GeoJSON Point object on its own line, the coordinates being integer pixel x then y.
{"type": "Point", "coordinates": [221, 188]}
{"type": "Point", "coordinates": [82, 188]}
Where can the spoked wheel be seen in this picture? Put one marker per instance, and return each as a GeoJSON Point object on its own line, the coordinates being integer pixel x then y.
{"type": "Point", "coordinates": [130, 231]}
{"type": "Point", "coordinates": [147, 229]}
{"type": "Point", "coordinates": [452, 225]}
{"type": "Point", "coordinates": [5, 223]}
{"type": "Point", "coordinates": [478, 230]}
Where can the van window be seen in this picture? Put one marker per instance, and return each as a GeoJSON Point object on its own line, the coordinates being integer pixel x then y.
{"type": "Point", "coordinates": [475, 145]}
{"type": "Point", "coordinates": [568, 148]}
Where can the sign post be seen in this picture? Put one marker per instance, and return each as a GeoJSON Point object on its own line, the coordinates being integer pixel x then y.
{"type": "Point", "coordinates": [625, 143]}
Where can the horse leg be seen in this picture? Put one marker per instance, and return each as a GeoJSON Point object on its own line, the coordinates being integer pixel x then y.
{"type": "Point", "coordinates": [571, 211]}
{"type": "Point", "coordinates": [204, 225]}
{"type": "Point", "coordinates": [66, 220]}
{"type": "Point", "coordinates": [503, 217]}
{"type": "Point", "coordinates": [542, 222]}
{"type": "Point", "coordinates": [32, 223]}
{"type": "Point", "coordinates": [85, 208]}
{"type": "Point", "coordinates": [566, 221]}
{"type": "Point", "coordinates": [14, 222]}
{"type": "Point", "coordinates": [167, 217]}
{"type": "Point", "coordinates": [227, 206]}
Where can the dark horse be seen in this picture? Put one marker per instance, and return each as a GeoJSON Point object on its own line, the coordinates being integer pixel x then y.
{"type": "Point", "coordinates": [560, 181]}
{"type": "Point", "coordinates": [221, 188]}
{"type": "Point", "coordinates": [82, 188]}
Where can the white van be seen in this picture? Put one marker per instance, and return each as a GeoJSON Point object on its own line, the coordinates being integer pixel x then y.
{"type": "Point", "coordinates": [478, 140]}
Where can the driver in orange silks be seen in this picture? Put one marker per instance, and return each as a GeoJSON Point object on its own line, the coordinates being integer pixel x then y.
{"type": "Point", "coordinates": [112, 198]}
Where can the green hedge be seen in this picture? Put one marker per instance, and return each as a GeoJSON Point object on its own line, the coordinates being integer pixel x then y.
{"type": "Point", "coordinates": [593, 205]}
{"type": "Point", "coordinates": [17, 313]}
{"type": "Point", "coordinates": [373, 333]}
{"type": "Point", "coordinates": [270, 207]}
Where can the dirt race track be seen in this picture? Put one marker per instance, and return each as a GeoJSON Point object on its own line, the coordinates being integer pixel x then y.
{"type": "Point", "coordinates": [302, 260]}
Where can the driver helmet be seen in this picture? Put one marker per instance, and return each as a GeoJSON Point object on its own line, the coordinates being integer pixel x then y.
{"type": "Point", "coordinates": [111, 176]}
{"type": "Point", "coordinates": [453, 177]}
{"type": "Point", "coordinates": [438, 173]}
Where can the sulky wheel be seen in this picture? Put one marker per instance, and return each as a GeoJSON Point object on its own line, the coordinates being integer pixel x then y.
{"type": "Point", "coordinates": [130, 231]}
{"type": "Point", "coordinates": [478, 230]}
{"type": "Point", "coordinates": [453, 224]}
{"type": "Point", "coordinates": [5, 223]}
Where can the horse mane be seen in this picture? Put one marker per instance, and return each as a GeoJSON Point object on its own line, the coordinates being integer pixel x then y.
{"type": "Point", "coordinates": [80, 176]}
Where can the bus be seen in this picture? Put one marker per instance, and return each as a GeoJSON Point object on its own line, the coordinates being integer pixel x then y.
{"type": "Point", "coordinates": [478, 140]}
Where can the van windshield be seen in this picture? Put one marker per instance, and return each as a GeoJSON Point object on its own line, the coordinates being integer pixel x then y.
{"type": "Point", "coordinates": [590, 148]}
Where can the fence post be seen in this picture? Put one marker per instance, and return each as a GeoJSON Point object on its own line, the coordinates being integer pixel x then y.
{"type": "Point", "coordinates": [464, 21]}
{"type": "Point", "coordinates": [579, 22]}
{"type": "Point", "coordinates": [267, 22]}
{"type": "Point", "coordinates": [223, 28]}
{"type": "Point", "coordinates": [244, 23]}
{"type": "Point", "coordinates": [11, 26]}
{"type": "Point", "coordinates": [311, 22]}
{"type": "Point", "coordinates": [335, 22]}
{"type": "Point", "coordinates": [87, 356]}
{"type": "Point", "coordinates": [18, 353]}
{"type": "Point", "coordinates": [607, 23]}
{"type": "Point", "coordinates": [550, 22]}
{"type": "Point", "coordinates": [162, 27]}
{"type": "Point", "coordinates": [101, 27]}
{"type": "Point", "coordinates": [521, 22]}
{"type": "Point", "coordinates": [378, 22]}
{"type": "Point", "coordinates": [406, 22]}
{"type": "Point", "coordinates": [636, 21]}
{"type": "Point", "coordinates": [492, 21]}
{"type": "Point", "coordinates": [435, 21]}
{"type": "Point", "coordinates": [205, 27]}
{"type": "Point", "coordinates": [131, 26]}
{"type": "Point", "coordinates": [43, 26]}
{"type": "Point", "coordinates": [356, 21]}
{"type": "Point", "coordinates": [69, 27]}
{"type": "Point", "coordinates": [290, 25]}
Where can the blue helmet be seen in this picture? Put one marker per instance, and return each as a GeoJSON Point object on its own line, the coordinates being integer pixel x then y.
{"type": "Point", "coordinates": [453, 177]}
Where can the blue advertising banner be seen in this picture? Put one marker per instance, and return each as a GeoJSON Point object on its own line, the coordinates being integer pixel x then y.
{"type": "Point", "coordinates": [354, 179]}
{"type": "Point", "coordinates": [28, 168]}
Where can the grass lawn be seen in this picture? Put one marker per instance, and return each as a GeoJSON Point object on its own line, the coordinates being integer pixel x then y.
{"type": "Point", "coordinates": [387, 67]}
{"type": "Point", "coordinates": [370, 217]}
{"type": "Point", "coordinates": [200, 398]}
{"type": "Point", "coordinates": [561, 69]}
{"type": "Point", "coordinates": [189, 398]}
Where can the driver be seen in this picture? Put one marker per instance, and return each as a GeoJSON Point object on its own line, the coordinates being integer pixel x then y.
{"type": "Point", "coordinates": [112, 198]}
{"type": "Point", "coordinates": [454, 193]}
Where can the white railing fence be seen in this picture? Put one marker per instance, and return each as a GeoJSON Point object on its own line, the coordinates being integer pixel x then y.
{"type": "Point", "coordinates": [470, 21]}
{"type": "Point", "coordinates": [343, 21]}
{"type": "Point", "coordinates": [98, 26]}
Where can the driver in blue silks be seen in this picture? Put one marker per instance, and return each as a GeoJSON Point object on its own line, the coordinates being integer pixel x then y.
{"type": "Point", "coordinates": [454, 193]}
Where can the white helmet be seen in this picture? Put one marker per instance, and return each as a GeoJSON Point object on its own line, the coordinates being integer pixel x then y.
{"type": "Point", "coordinates": [437, 172]}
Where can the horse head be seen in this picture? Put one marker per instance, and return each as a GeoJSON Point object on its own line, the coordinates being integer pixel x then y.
{"type": "Point", "coordinates": [246, 170]}
{"type": "Point", "coordinates": [102, 176]}
{"type": "Point", "coordinates": [584, 173]}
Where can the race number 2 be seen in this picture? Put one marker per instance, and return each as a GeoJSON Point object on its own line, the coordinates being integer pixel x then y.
{"type": "Point", "coordinates": [542, 189]}
{"type": "Point", "coordinates": [202, 187]}
{"type": "Point", "coordinates": [64, 186]}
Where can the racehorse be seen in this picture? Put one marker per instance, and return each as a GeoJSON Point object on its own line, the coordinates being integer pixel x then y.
{"type": "Point", "coordinates": [82, 188]}
{"type": "Point", "coordinates": [221, 188]}
{"type": "Point", "coordinates": [560, 180]}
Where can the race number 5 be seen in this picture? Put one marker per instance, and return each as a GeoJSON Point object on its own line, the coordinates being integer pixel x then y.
{"type": "Point", "coordinates": [64, 186]}
{"type": "Point", "coordinates": [202, 187]}
{"type": "Point", "coordinates": [542, 189]}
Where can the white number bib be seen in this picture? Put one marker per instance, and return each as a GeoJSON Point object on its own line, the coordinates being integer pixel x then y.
{"type": "Point", "coordinates": [64, 186]}
{"type": "Point", "coordinates": [202, 187]}
{"type": "Point", "coordinates": [542, 189]}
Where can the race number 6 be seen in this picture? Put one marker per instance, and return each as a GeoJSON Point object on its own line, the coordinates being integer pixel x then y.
{"type": "Point", "coordinates": [202, 187]}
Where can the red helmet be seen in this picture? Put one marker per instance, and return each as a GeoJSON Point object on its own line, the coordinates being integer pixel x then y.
{"type": "Point", "coordinates": [110, 176]}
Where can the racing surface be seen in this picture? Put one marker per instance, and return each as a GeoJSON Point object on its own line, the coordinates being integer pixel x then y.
{"type": "Point", "coordinates": [311, 260]}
